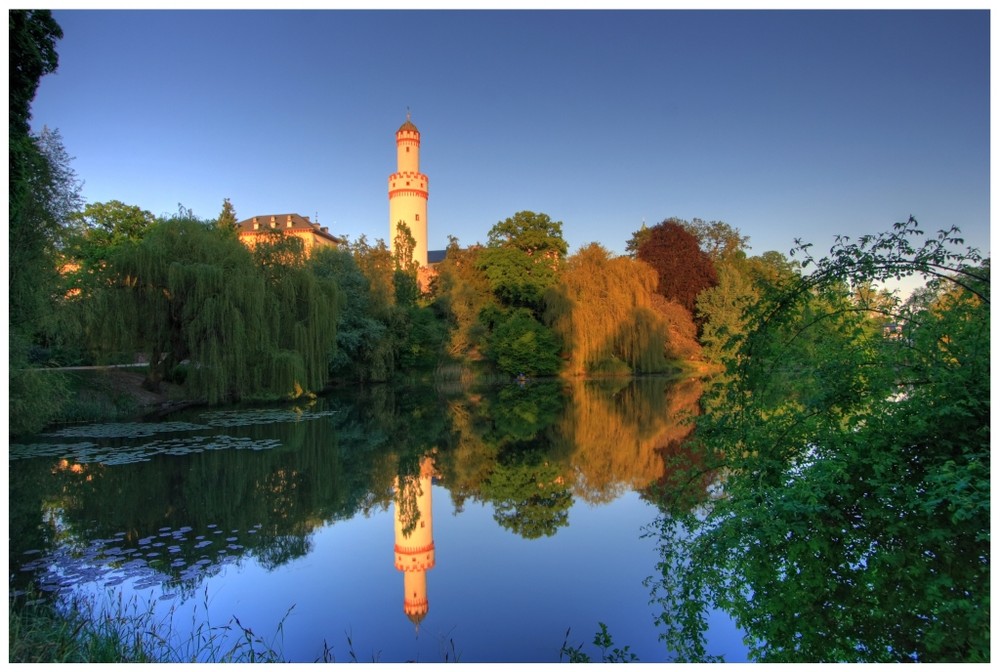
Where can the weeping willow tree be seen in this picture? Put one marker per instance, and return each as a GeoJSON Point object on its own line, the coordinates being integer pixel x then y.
{"type": "Point", "coordinates": [603, 309]}
{"type": "Point", "coordinates": [304, 307]}
{"type": "Point", "coordinates": [191, 293]}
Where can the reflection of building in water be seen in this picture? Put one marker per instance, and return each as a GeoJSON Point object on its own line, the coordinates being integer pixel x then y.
{"type": "Point", "coordinates": [414, 538]}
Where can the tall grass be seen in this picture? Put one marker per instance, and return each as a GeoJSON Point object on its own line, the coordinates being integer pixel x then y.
{"type": "Point", "coordinates": [123, 631]}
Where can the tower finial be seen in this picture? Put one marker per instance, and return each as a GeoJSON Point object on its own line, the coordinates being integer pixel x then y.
{"type": "Point", "coordinates": [407, 112]}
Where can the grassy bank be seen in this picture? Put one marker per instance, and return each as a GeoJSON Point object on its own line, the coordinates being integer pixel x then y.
{"type": "Point", "coordinates": [124, 632]}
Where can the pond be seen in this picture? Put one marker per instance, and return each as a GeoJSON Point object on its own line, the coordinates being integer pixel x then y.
{"type": "Point", "coordinates": [388, 524]}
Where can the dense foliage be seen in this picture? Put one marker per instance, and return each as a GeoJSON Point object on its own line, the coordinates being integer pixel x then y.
{"type": "Point", "coordinates": [42, 189]}
{"type": "Point", "coordinates": [852, 521]}
{"type": "Point", "coordinates": [250, 323]}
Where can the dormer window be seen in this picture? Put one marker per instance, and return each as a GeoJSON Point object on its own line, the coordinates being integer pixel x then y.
{"type": "Point", "coordinates": [256, 224]}
{"type": "Point", "coordinates": [288, 222]}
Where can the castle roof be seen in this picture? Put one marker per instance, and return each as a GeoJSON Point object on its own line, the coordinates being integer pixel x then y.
{"type": "Point", "coordinates": [286, 222]}
{"type": "Point", "coordinates": [407, 126]}
{"type": "Point", "coordinates": [436, 256]}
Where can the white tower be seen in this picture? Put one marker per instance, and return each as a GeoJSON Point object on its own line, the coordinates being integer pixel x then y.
{"type": "Point", "coordinates": [408, 191]}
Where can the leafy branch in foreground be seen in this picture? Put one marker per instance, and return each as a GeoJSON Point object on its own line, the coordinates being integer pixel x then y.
{"type": "Point", "coordinates": [853, 519]}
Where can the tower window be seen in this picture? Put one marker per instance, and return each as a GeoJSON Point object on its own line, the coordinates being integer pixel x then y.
{"type": "Point", "coordinates": [407, 150]}
{"type": "Point", "coordinates": [418, 219]}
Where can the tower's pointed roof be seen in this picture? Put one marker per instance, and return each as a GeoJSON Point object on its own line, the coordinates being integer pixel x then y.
{"type": "Point", "coordinates": [407, 125]}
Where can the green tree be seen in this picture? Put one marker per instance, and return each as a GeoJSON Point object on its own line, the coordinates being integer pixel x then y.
{"type": "Point", "coordinates": [361, 353]}
{"type": "Point", "coordinates": [93, 236]}
{"type": "Point", "coordinates": [404, 277]}
{"type": "Point", "coordinates": [519, 343]}
{"type": "Point", "coordinates": [720, 241]}
{"type": "Point", "coordinates": [403, 245]}
{"type": "Point", "coordinates": [114, 222]}
{"type": "Point", "coordinates": [98, 230]}
{"type": "Point", "coordinates": [378, 265]}
{"type": "Point", "coordinates": [42, 187]}
{"type": "Point", "coordinates": [638, 237]}
{"type": "Point", "coordinates": [274, 253]}
{"type": "Point", "coordinates": [463, 292]}
{"type": "Point", "coordinates": [382, 329]}
{"type": "Point", "coordinates": [723, 309]}
{"type": "Point", "coordinates": [33, 34]}
{"type": "Point", "coordinates": [227, 217]}
{"type": "Point", "coordinates": [853, 521]}
{"type": "Point", "coordinates": [42, 201]}
{"type": "Point", "coordinates": [522, 258]}
{"type": "Point", "coordinates": [303, 309]}
{"type": "Point", "coordinates": [534, 234]}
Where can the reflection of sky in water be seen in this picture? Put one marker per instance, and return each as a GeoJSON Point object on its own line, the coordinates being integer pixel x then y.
{"type": "Point", "coordinates": [141, 565]}
{"type": "Point", "coordinates": [492, 594]}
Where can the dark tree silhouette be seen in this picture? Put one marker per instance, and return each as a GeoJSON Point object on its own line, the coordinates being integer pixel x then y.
{"type": "Point", "coordinates": [683, 269]}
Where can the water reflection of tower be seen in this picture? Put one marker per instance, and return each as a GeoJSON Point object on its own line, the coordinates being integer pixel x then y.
{"type": "Point", "coordinates": [414, 538]}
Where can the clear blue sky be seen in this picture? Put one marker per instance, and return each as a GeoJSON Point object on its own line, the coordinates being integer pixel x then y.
{"type": "Point", "coordinates": [780, 123]}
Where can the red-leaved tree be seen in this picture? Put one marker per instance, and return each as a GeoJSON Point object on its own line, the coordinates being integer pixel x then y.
{"type": "Point", "coordinates": [684, 269]}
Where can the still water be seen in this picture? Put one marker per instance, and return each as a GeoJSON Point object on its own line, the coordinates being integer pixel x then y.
{"type": "Point", "coordinates": [388, 524]}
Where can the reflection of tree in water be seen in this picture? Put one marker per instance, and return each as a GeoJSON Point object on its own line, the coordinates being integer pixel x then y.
{"type": "Point", "coordinates": [619, 429]}
{"type": "Point", "coordinates": [524, 413]}
{"type": "Point", "coordinates": [501, 454]}
{"type": "Point", "coordinates": [182, 514]}
{"type": "Point", "coordinates": [485, 423]}
{"type": "Point", "coordinates": [406, 492]}
{"type": "Point", "coordinates": [528, 493]}
{"type": "Point", "coordinates": [528, 451]}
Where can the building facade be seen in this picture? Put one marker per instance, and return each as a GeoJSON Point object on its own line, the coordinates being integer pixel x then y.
{"type": "Point", "coordinates": [313, 235]}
